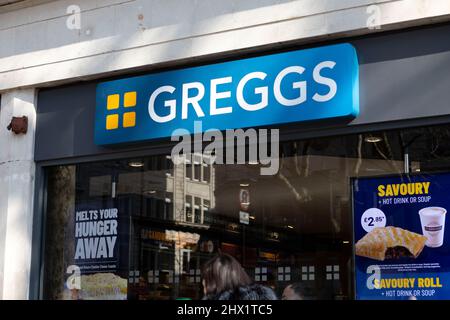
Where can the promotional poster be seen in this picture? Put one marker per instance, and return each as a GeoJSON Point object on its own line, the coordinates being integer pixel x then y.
{"type": "Point", "coordinates": [95, 273]}
{"type": "Point", "coordinates": [402, 247]}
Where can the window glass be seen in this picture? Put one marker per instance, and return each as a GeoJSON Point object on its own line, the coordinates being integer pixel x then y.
{"type": "Point", "coordinates": [206, 173]}
{"type": "Point", "coordinates": [189, 170]}
{"type": "Point", "coordinates": [198, 212]}
{"type": "Point", "coordinates": [133, 229]}
{"type": "Point", "coordinates": [189, 208]}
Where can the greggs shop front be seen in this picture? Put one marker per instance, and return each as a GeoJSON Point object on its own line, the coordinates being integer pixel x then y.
{"type": "Point", "coordinates": [337, 178]}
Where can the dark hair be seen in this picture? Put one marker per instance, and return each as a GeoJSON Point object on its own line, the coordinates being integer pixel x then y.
{"type": "Point", "coordinates": [302, 291]}
{"type": "Point", "coordinates": [223, 273]}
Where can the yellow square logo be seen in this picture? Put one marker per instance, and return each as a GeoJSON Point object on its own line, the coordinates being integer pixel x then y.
{"type": "Point", "coordinates": [129, 119]}
{"type": "Point", "coordinates": [129, 99]}
{"type": "Point", "coordinates": [113, 102]}
{"type": "Point", "coordinates": [112, 122]}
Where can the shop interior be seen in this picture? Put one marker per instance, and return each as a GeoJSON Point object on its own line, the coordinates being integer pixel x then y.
{"type": "Point", "coordinates": [295, 226]}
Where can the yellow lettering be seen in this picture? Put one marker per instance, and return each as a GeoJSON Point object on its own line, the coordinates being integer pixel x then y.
{"type": "Point", "coordinates": [426, 187]}
{"type": "Point", "coordinates": [419, 188]}
{"type": "Point", "coordinates": [405, 283]}
{"type": "Point", "coordinates": [401, 283]}
{"type": "Point", "coordinates": [376, 283]}
{"type": "Point", "coordinates": [432, 283]}
{"type": "Point", "coordinates": [389, 191]}
{"type": "Point", "coordinates": [420, 282]}
{"type": "Point", "coordinates": [403, 190]}
{"type": "Point", "coordinates": [388, 283]}
{"type": "Point", "coordinates": [381, 192]}
{"type": "Point", "coordinates": [396, 188]}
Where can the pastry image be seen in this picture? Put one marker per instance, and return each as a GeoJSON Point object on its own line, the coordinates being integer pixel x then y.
{"type": "Point", "coordinates": [390, 243]}
{"type": "Point", "coordinates": [103, 286]}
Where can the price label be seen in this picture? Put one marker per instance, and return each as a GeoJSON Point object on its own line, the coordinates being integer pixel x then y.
{"type": "Point", "coordinates": [373, 218]}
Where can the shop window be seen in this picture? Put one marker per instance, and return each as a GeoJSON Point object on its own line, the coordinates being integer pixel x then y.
{"type": "Point", "coordinates": [194, 276]}
{"type": "Point", "coordinates": [168, 209]}
{"type": "Point", "coordinates": [100, 186]}
{"type": "Point", "coordinates": [168, 166]}
{"type": "Point", "coordinates": [197, 171]}
{"type": "Point", "coordinates": [189, 170]}
{"type": "Point", "coordinates": [308, 273]}
{"type": "Point", "coordinates": [297, 218]}
{"type": "Point", "coordinates": [172, 277]}
{"type": "Point", "coordinates": [260, 274]}
{"type": "Point", "coordinates": [153, 276]}
{"type": "Point", "coordinates": [207, 168]}
{"type": "Point", "coordinates": [189, 209]}
{"type": "Point", "coordinates": [205, 207]}
{"type": "Point", "coordinates": [197, 210]}
{"type": "Point", "coordinates": [332, 272]}
{"type": "Point", "coordinates": [284, 273]}
{"type": "Point", "coordinates": [134, 276]}
{"type": "Point", "coordinates": [206, 173]}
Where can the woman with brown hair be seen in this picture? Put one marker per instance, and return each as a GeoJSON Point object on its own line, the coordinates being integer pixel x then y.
{"type": "Point", "coordinates": [225, 279]}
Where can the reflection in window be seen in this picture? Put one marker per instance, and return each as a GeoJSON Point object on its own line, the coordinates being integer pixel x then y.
{"type": "Point", "coordinates": [100, 186]}
{"type": "Point", "coordinates": [308, 273]}
{"type": "Point", "coordinates": [206, 173]}
{"type": "Point", "coordinates": [299, 228]}
{"type": "Point", "coordinates": [189, 209]}
{"type": "Point", "coordinates": [197, 210]}
{"type": "Point", "coordinates": [189, 169]}
{"type": "Point", "coordinates": [332, 272]}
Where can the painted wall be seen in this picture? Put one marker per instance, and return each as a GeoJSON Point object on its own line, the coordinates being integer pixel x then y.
{"type": "Point", "coordinates": [41, 44]}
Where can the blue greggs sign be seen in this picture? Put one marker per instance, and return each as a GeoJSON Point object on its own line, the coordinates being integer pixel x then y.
{"type": "Point", "coordinates": [304, 85]}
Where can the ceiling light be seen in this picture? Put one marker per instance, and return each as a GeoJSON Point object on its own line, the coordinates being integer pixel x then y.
{"type": "Point", "coordinates": [136, 164]}
{"type": "Point", "coordinates": [232, 227]}
{"type": "Point", "coordinates": [150, 192]}
{"type": "Point", "coordinates": [417, 170]}
{"type": "Point", "coordinates": [290, 227]}
{"type": "Point", "coordinates": [345, 241]}
{"type": "Point", "coordinates": [244, 184]}
{"type": "Point", "coordinates": [274, 235]}
{"type": "Point", "coordinates": [373, 139]}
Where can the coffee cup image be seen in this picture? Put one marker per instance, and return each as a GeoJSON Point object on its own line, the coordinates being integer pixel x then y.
{"type": "Point", "coordinates": [433, 225]}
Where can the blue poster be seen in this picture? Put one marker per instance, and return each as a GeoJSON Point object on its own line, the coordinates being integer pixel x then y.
{"type": "Point", "coordinates": [99, 264]}
{"type": "Point", "coordinates": [402, 247]}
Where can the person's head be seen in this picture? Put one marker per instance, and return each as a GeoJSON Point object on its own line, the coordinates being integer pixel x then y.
{"type": "Point", "coordinates": [222, 273]}
{"type": "Point", "coordinates": [296, 291]}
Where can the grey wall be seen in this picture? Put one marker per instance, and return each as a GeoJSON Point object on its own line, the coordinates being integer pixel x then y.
{"type": "Point", "coordinates": [37, 49]}
{"type": "Point", "coordinates": [403, 75]}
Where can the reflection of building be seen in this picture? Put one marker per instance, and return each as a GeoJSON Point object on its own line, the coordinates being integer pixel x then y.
{"type": "Point", "coordinates": [182, 192]}
{"type": "Point", "coordinates": [192, 184]}
{"type": "Point", "coordinates": [164, 196]}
